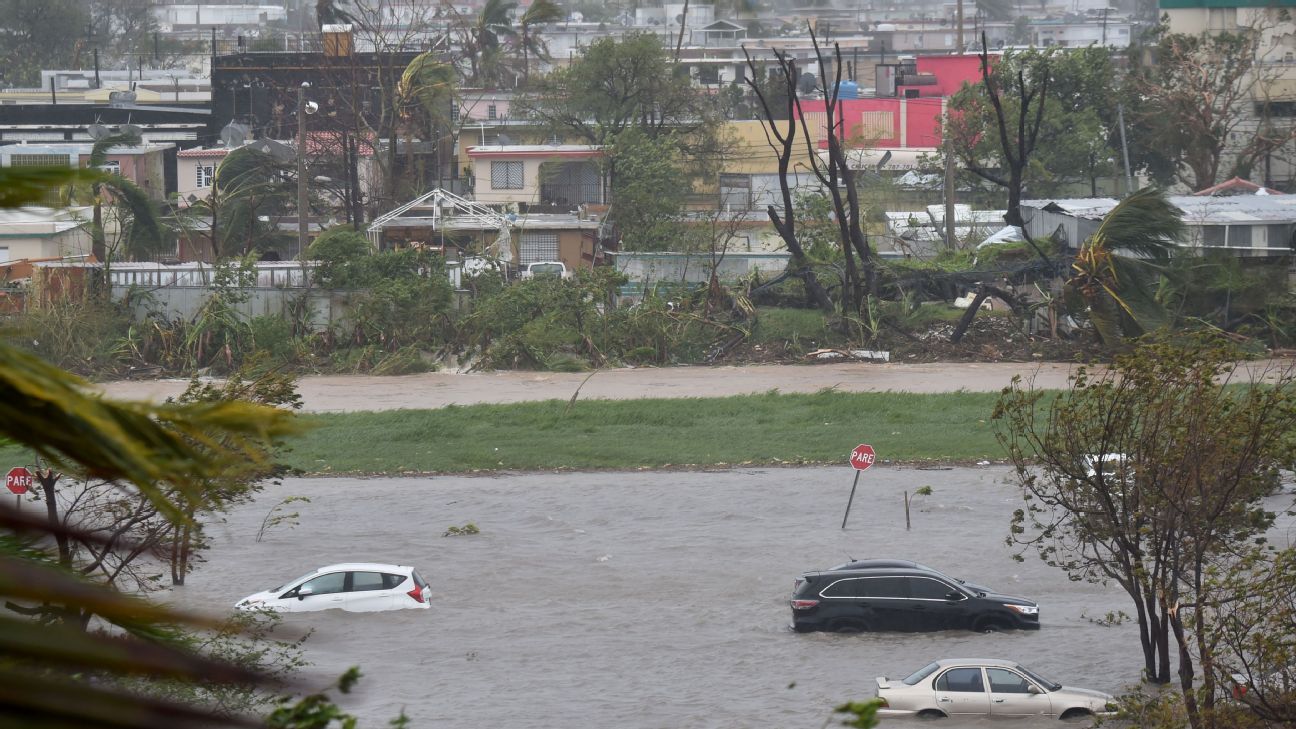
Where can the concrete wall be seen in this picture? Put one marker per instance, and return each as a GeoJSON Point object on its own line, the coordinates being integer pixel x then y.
{"type": "Point", "coordinates": [327, 308]}
{"type": "Point", "coordinates": [682, 267]}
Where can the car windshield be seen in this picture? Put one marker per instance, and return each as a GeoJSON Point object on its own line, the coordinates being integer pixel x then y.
{"type": "Point", "coordinates": [1050, 685]}
{"type": "Point", "coordinates": [921, 673]}
{"type": "Point", "coordinates": [293, 582]}
{"type": "Point", "coordinates": [940, 574]}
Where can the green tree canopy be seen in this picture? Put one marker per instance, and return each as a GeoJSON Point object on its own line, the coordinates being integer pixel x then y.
{"type": "Point", "coordinates": [38, 35]}
{"type": "Point", "coordinates": [1078, 119]}
{"type": "Point", "coordinates": [1199, 109]}
{"type": "Point", "coordinates": [618, 84]}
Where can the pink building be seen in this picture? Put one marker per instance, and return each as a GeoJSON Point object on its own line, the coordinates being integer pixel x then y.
{"type": "Point", "coordinates": [911, 118]}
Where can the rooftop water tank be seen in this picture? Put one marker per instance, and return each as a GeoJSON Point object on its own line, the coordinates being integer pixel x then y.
{"type": "Point", "coordinates": [848, 90]}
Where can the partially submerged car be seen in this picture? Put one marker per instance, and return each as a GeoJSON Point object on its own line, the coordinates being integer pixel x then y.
{"type": "Point", "coordinates": [355, 587]}
{"type": "Point", "coordinates": [850, 599]}
{"type": "Point", "coordinates": [880, 563]}
{"type": "Point", "coordinates": [986, 687]}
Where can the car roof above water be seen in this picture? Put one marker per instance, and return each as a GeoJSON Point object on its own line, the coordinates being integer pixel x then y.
{"type": "Point", "coordinates": [868, 564]}
{"type": "Point", "coordinates": [991, 662]}
{"type": "Point", "coordinates": [365, 566]}
{"type": "Point", "coordinates": [880, 572]}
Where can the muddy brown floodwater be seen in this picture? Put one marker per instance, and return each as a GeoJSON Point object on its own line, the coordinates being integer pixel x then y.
{"type": "Point", "coordinates": [337, 393]}
{"type": "Point", "coordinates": [646, 600]}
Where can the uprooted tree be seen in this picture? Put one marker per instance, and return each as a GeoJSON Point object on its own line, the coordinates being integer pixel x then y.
{"type": "Point", "coordinates": [1146, 474]}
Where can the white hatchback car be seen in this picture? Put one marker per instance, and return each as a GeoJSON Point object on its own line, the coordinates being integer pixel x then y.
{"type": "Point", "coordinates": [986, 687]}
{"type": "Point", "coordinates": [358, 587]}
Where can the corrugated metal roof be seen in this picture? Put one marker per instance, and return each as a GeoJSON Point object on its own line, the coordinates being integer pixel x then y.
{"type": "Point", "coordinates": [1237, 209]}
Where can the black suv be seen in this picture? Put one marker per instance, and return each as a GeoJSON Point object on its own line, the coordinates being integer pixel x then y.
{"type": "Point", "coordinates": [908, 598]}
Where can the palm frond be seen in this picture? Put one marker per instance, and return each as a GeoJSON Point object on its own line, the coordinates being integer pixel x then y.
{"type": "Point", "coordinates": [99, 152]}
{"type": "Point", "coordinates": [46, 410]}
{"type": "Point", "coordinates": [145, 236]}
{"type": "Point", "coordinates": [430, 84]}
{"type": "Point", "coordinates": [1145, 223]}
{"type": "Point", "coordinates": [32, 185]}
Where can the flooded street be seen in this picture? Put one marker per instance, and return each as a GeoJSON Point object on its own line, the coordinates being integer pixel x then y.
{"type": "Point", "coordinates": [646, 599]}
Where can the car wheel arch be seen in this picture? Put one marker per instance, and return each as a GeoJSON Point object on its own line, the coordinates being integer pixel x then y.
{"type": "Point", "coordinates": [991, 624]}
{"type": "Point", "coordinates": [848, 625]}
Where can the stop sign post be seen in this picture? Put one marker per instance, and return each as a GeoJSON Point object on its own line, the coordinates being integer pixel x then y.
{"type": "Point", "coordinates": [860, 459]}
{"type": "Point", "coordinates": [19, 480]}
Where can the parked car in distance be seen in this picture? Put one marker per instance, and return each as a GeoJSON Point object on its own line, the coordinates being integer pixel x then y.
{"type": "Point", "coordinates": [546, 268]}
{"type": "Point", "coordinates": [986, 687]}
{"type": "Point", "coordinates": [356, 587]}
{"type": "Point", "coordinates": [902, 598]}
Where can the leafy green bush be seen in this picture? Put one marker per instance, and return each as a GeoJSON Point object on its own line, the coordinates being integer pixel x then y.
{"type": "Point", "coordinates": [80, 336]}
{"type": "Point", "coordinates": [525, 324]}
{"type": "Point", "coordinates": [273, 335]}
{"type": "Point", "coordinates": [338, 245]}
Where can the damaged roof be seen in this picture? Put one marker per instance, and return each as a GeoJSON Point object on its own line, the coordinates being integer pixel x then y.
{"type": "Point", "coordinates": [1233, 210]}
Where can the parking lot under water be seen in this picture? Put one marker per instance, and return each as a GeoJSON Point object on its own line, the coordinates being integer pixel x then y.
{"type": "Point", "coordinates": [646, 599]}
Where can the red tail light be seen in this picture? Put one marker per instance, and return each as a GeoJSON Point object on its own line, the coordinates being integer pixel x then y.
{"type": "Point", "coordinates": [804, 604]}
{"type": "Point", "coordinates": [416, 593]}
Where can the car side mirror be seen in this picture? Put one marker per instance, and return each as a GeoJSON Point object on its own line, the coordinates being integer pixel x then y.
{"type": "Point", "coordinates": [1033, 689]}
{"type": "Point", "coordinates": [302, 592]}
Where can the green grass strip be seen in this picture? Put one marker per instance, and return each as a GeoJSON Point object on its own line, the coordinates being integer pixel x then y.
{"type": "Point", "coordinates": [596, 434]}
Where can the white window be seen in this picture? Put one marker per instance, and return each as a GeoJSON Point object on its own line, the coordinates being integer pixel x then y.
{"type": "Point", "coordinates": [536, 247]}
{"type": "Point", "coordinates": [4, 254]}
{"type": "Point", "coordinates": [506, 175]}
{"type": "Point", "coordinates": [204, 175]}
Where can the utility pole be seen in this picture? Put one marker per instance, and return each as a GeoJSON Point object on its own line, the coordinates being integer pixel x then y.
{"type": "Point", "coordinates": [951, 239]}
{"type": "Point", "coordinates": [959, 20]}
{"type": "Point", "coordinates": [1129, 180]}
{"type": "Point", "coordinates": [301, 168]}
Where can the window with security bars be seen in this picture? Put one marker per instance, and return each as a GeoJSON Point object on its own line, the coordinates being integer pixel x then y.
{"type": "Point", "coordinates": [38, 160]}
{"type": "Point", "coordinates": [204, 175]}
{"type": "Point", "coordinates": [735, 192]}
{"type": "Point", "coordinates": [506, 175]}
{"type": "Point", "coordinates": [535, 247]}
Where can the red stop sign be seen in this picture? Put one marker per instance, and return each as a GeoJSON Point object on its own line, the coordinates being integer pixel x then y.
{"type": "Point", "coordinates": [19, 480]}
{"type": "Point", "coordinates": [862, 457]}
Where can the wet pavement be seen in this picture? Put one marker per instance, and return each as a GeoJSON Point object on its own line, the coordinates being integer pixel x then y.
{"type": "Point", "coordinates": [647, 600]}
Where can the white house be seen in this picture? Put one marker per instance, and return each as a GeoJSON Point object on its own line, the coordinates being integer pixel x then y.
{"type": "Point", "coordinates": [35, 233]}
{"type": "Point", "coordinates": [195, 171]}
{"type": "Point", "coordinates": [559, 175]}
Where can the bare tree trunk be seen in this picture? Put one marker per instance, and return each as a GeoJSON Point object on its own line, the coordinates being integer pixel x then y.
{"type": "Point", "coordinates": [48, 478]}
{"type": "Point", "coordinates": [1185, 666]}
{"type": "Point", "coordinates": [966, 320]}
{"type": "Point", "coordinates": [783, 142]}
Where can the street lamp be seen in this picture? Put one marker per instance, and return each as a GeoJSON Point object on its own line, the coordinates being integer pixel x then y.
{"type": "Point", "coordinates": [303, 108]}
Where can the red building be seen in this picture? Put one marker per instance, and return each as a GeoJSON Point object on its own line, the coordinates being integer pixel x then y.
{"type": "Point", "coordinates": [912, 117]}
